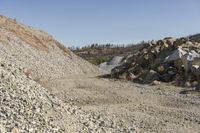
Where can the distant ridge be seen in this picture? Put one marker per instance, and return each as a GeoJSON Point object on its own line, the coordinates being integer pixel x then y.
{"type": "Point", "coordinates": [195, 37]}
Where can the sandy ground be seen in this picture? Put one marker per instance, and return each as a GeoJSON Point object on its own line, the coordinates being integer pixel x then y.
{"type": "Point", "coordinates": [159, 108]}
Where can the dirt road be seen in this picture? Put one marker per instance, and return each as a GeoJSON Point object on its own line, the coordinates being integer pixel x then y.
{"type": "Point", "coordinates": [158, 108]}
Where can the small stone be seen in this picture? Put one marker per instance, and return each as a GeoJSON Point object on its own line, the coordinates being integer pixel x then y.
{"type": "Point", "coordinates": [14, 130]}
{"type": "Point", "coordinates": [187, 84]}
{"type": "Point", "coordinates": [155, 82]}
{"type": "Point", "coordinates": [161, 69]}
{"type": "Point", "coordinates": [31, 130]}
{"type": "Point", "coordinates": [2, 129]}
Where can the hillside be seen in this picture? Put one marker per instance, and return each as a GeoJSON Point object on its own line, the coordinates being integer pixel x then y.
{"type": "Point", "coordinates": [43, 56]}
{"type": "Point", "coordinates": [195, 38]}
{"type": "Point", "coordinates": [99, 53]}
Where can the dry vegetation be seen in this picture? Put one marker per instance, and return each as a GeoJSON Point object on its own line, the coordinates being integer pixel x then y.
{"type": "Point", "coordinates": [99, 53]}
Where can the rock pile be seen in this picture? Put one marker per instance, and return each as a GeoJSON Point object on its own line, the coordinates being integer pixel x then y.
{"type": "Point", "coordinates": [43, 56]}
{"type": "Point", "coordinates": [25, 106]}
{"type": "Point", "coordinates": [168, 60]}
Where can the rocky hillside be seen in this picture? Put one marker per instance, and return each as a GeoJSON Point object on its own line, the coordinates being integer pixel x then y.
{"type": "Point", "coordinates": [43, 56]}
{"type": "Point", "coordinates": [168, 60]}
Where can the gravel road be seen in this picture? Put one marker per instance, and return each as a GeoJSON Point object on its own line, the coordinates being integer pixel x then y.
{"type": "Point", "coordinates": [146, 108]}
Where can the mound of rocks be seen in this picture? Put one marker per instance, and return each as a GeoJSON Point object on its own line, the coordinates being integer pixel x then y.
{"type": "Point", "coordinates": [25, 106]}
{"type": "Point", "coordinates": [168, 60]}
{"type": "Point", "coordinates": [43, 56]}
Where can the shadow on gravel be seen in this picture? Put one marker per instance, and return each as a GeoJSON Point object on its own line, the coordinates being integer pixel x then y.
{"type": "Point", "coordinates": [185, 91]}
{"type": "Point", "coordinates": [195, 92]}
{"type": "Point", "coordinates": [105, 76]}
{"type": "Point", "coordinates": [108, 76]}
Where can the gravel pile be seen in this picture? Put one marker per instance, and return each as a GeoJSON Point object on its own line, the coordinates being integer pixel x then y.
{"type": "Point", "coordinates": [43, 56]}
{"type": "Point", "coordinates": [25, 106]}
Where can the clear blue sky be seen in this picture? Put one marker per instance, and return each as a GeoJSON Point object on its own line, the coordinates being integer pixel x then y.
{"type": "Point", "coordinates": [81, 22]}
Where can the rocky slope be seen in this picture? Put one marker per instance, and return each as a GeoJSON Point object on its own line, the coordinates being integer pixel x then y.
{"type": "Point", "coordinates": [43, 56]}
{"type": "Point", "coordinates": [25, 106]}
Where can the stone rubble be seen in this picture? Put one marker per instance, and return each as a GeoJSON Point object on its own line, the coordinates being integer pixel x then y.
{"type": "Point", "coordinates": [25, 106]}
{"type": "Point", "coordinates": [168, 60]}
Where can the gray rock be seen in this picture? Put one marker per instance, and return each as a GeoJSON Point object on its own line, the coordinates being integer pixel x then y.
{"type": "Point", "coordinates": [115, 72]}
{"type": "Point", "coordinates": [176, 55]}
{"type": "Point", "coordinates": [188, 59]}
{"type": "Point", "coordinates": [195, 69]}
{"type": "Point", "coordinates": [151, 76]}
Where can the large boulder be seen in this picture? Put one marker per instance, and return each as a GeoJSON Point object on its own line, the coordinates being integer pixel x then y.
{"type": "Point", "coordinates": [195, 69]}
{"type": "Point", "coordinates": [189, 58]}
{"type": "Point", "coordinates": [176, 55]}
{"type": "Point", "coordinates": [169, 74]}
{"type": "Point", "coordinates": [117, 71]}
{"type": "Point", "coordinates": [151, 76]}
